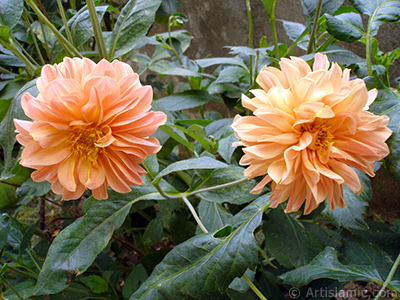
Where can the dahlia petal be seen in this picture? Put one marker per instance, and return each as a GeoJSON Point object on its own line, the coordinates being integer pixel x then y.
{"type": "Point", "coordinates": [291, 72]}
{"type": "Point", "coordinates": [277, 170]}
{"type": "Point", "coordinates": [92, 112]}
{"type": "Point", "coordinates": [301, 65]}
{"type": "Point", "coordinates": [59, 88]}
{"type": "Point", "coordinates": [49, 73]}
{"type": "Point", "coordinates": [34, 155]}
{"type": "Point", "coordinates": [23, 126]}
{"type": "Point", "coordinates": [113, 176]}
{"type": "Point", "coordinates": [307, 91]}
{"type": "Point", "coordinates": [103, 69]}
{"type": "Point", "coordinates": [69, 106]}
{"type": "Point", "coordinates": [122, 70]}
{"type": "Point", "coordinates": [66, 173]}
{"type": "Point", "coordinates": [72, 195]}
{"type": "Point", "coordinates": [269, 77]}
{"type": "Point", "coordinates": [321, 62]}
{"type": "Point", "coordinates": [335, 76]}
{"type": "Point", "coordinates": [100, 193]}
{"type": "Point", "coordinates": [348, 174]}
{"type": "Point", "coordinates": [355, 101]}
{"type": "Point", "coordinates": [260, 186]}
{"type": "Point", "coordinates": [47, 135]}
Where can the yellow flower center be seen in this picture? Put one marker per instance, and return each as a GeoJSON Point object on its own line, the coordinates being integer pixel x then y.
{"type": "Point", "coordinates": [322, 136]}
{"type": "Point", "coordinates": [83, 142]}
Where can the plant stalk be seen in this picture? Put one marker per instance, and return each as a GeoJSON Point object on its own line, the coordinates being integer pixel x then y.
{"type": "Point", "coordinates": [389, 278]}
{"type": "Point", "coordinates": [248, 7]}
{"type": "Point", "coordinates": [98, 34]}
{"type": "Point", "coordinates": [204, 229]}
{"type": "Point", "coordinates": [64, 19]}
{"type": "Point", "coordinates": [69, 48]}
{"type": "Point", "coordinates": [311, 44]}
{"type": "Point", "coordinates": [272, 21]}
{"type": "Point", "coordinates": [18, 53]}
{"type": "Point", "coordinates": [11, 287]}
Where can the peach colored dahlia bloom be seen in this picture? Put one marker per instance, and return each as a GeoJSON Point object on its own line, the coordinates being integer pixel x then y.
{"type": "Point", "coordinates": [310, 126]}
{"type": "Point", "coordinates": [91, 127]}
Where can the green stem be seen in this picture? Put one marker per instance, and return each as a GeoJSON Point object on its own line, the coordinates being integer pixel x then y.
{"type": "Point", "coordinates": [368, 50]}
{"type": "Point", "coordinates": [17, 52]}
{"type": "Point", "coordinates": [98, 34]}
{"type": "Point", "coordinates": [217, 187]}
{"type": "Point", "coordinates": [72, 4]}
{"type": "Point", "coordinates": [33, 259]}
{"type": "Point", "coordinates": [272, 21]}
{"type": "Point", "coordinates": [69, 48]}
{"type": "Point", "coordinates": [254, 288]}
{"type": "Point", "coordinates": [28, 24]}
{"type": "Point", "coordinates": [46, 45]}
{"type": "Point", "coordinates": [28, 56]}
{"type": "Point", "coordinates": [25, 274]}
{"type": "Point", "coordinates": [64, 20]}
{"type": "Point", "coordinates": [171, 47]}
{"type": "Point", "coordinates": [248, 7]}
{"type": "Point", "coordinates": [194, 214]}
{"type": "Point", "coordinates": [204, 229]}
{"type": "Point", "coordinates": [311, 44]}
{"type": "Point", "coordinates": [389, 278]}
{"type": "Point", "coordinates": [3, 70]}
{"type": "Point", "coordinates": [11, 287]}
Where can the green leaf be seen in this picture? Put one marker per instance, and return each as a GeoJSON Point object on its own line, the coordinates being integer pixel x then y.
{"type": "Point", "coordinates": [7, 129]}
{"type": "Point", "coordinates": [170, 6]}
{"type": "Point", "coordinates": [5, 33]}
{"type": "Point", "coordinates": [359, 251]}
{"type": "Point", "coordinates": [388, 103]}
{"type": "Point", "coordinates": [5, 222]}
{"type": "Point", "coordinates": [213, 216]}
{"type": "Point", "coordinates": [11, 12]}
{"type": "Point", "coordinates": [298, 246]}
{"type": "Point", "coordinates": [191, 164]}
{"type": "Point", "coordinates": [297, 33]}
{"type": "Point", "coordinates": [97, 284]}
{"type": "Point", "coordinates": [153, 233]}
{"type": "Point", "coordinates": [346, 27]}
{"type": "Point", "coordinates": [132, 25]}
{"type": "Point", "coordinates": [207, 62]}
{"type": "Point", "coordinates": [11, 60]}
{"type": "Point", "coordinates": [76, 247]}
{"type": "Point", "coordinates": [134, 280]}
{"type": "Point", "coordinates": [185, 100]}
{"type": "Point", "coordinates": [177, 135]}
{"type": "Point", "coordinates": [380, 11]}
{"type": "Point", "coordinates": [31, 188]}
{"type": "Point", "coordinates": [237, 194]}
{"type": "Point", "coordinates": [80, 25]}
{"type": "Point", "coordinates": [310, 7]}
{"type": "Point", "coordinates": [351, 216]}
{"type": "Point", "coordinates": [7, 195]}
{"type": "Point", "coordinates": [185, 73]}
{"type": "Point", "coordinates": [233, 74]}
{"type": "Point", "coordinates": [270, 6]}
{"type": "Point", "coordinates": [240, 285]}
{"type": "Point", "coordinates": [326, 265]}
{"type": "Point", "coordinates": [225, 148]}
{"type": "Point", "coordinates": [24, 289]}
{"type": "Point", "coordinates": [205, 264]}
{"type": "Point", "coordinates": [198, 133]}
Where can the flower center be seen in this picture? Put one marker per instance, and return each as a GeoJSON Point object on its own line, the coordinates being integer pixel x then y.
{"type": "Point", "coordinates": [83, 142]}
{"type": "Point", "coordinates": [322, 136]}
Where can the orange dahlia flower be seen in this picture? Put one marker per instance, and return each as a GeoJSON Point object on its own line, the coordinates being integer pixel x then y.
{"type": "Point", "coordinates": [91, 127]}
{"type": "Point", "coordinates": [310, 126]}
